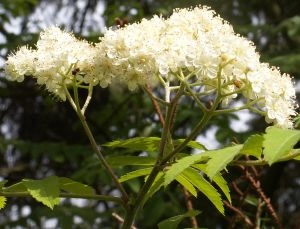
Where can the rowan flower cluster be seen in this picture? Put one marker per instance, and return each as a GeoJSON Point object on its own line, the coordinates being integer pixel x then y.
{"type": "Point", "coordinates": [199, 43]}
{"type": "Point", "coordinates": [191, 43]}
{"type": "Point", "coordinates": [59, 59]}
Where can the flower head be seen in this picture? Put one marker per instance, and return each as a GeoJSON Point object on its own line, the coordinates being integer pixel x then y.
{"type": "Point", "coordinates": [194, 47]}
{"type": "Point", "coordinates": [58, 59]}
{"type": "Point", "coordinates": [197, 42]}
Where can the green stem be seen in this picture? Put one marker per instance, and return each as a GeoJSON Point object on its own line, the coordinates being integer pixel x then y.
{"type": "Point", "coordinates": [131, 213]}
{"type": "Point", "coordinates": [75, 104]}
{"type": "Point", "coordinates": [137, 203]}
{"type": "Point", "coordinates": [168, 122]}
{"type": "Point", "coordinates": [68, 195]}
{"type": "Point", "coordinates": [206, 117]}
{"type": "Point", "coordinates": [101, 157]}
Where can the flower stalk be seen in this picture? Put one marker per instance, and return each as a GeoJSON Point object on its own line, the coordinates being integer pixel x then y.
{"type": "Point", "coordinates": [80, 113]}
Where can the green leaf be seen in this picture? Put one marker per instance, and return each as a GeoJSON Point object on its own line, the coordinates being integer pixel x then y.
{"type": "Point", "coordinates": [2, 183]}
{"type": "Point", "coordinates": [191, 144]}
{"type": "Point", "coordinates": [18, 187]}
{"type": "Point", "coordinates": [253, 146]}
{"type": "Point", "coordinates": [130, 160]}
{"type": "Point", "coordinates": [205, 187]}
{"type": "Point", "coordinates": [136, 173]}
{"type": "Point", "coordinates": [222, 184]}
{"type": "Point", "coordinates": [2, 201]}
{"type": "Point", "coordinates": [297, 152]}
{"type": "Point", "coordinates": [188, 185]}
{"type": "Point", "coordinates": [218, 179]}
{"type": "Point", "coordinates": [183, 163]}
{"type": "Point", "coordinates": [45, 191]}
{"type": "Point", "coordinates": [149, 144]}
{"type": "Point", "coordinates": [220, 159]}
{"type": "Point", "coordinates": [156, 185]}
{"type": "Point", "coordinates": [278, 142]}
{"type": "Point", "coordinates": [173, 222]}
{"type": "Point", "coordinates": [75, 187]}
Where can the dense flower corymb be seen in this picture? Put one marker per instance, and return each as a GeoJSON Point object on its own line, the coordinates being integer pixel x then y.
{"type": "Point", "coordinates": [194, 46]}
{"type": "Point", "coordinates": [58, 59]}
{"type": "Point", "coordinates": [199, 43]}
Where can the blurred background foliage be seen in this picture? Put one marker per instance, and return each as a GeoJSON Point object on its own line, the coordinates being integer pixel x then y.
{"type": "Point", "coordinates": [41, 136]}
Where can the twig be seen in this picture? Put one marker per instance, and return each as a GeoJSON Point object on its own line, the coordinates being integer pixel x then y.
{"type": "Point", "coordinates": [240, 213]}
{"type": "Point", "coordinates": [155, 105]}
{"type": "Point", "coordinates": [237, 189]}
{"type": "Point", "coordinates": [258, 213]}
{"type": "Point", "coordinates": [68, 195]}
{"type": "Point", "coordinates": [256, 185]}
{"type": "Point", "coordinates": [243, 195]}
{"type": "Point", "coordinates": [189, 205]}
{"type": "Point", "coordinates": [120, 219]}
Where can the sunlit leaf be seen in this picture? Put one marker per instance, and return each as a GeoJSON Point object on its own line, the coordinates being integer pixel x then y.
{"type": "Point", "coordinates": [218, 179]}
{"type": "Point", "coordinates": [220, 159]}
{"type": "Point", "coordinates": [253, 146]}
{"type": "Point", "coordinates": [2, 201]}
{"type": "Point", "coordinates": [45, 191]}
{"type": "Point", "coordinates": [188, 185]}
{"type": "Point", "coordinates": [18, 187]}
{"type": "Point", "coordinates": [173, 222]}
{"type": "Point", "coordinates": [157, 184]}
{"type": "Point", "coordinates": [134, 174]}
{"type": "Point", "coordinates": [130, 160]}
{"type": "Point", "coordinates": [296, 152]}
{"type": "Point", "coordinates": [183, 163]}
{"type": "Point", "coordinates": [149, 144]}
{"type": "Point", "coordinates": [278, 142]}
{"type": "Point", "coordinates": [205, 187]}
{"type": "Point", "coordinates": [75, 187]}
{"type": "Point", "coordinates": [191, 144]}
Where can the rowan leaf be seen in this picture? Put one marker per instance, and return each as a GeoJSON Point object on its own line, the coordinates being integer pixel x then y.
{"type": "Point", "coordinates": [17, 187]}
{"type": "Point", "coordinates": [2, 201]}
{"type": "Point", "coordinates": [130, 160]}
{"type": "Point", "coordinates": [278, 142]}
{"type": "Point", "coordinates": [149, 144]}
{"type": "Point", "coordinates": [218, 180]}
{"type": "Point", "coordinates": [75, 187]}
{"type": "Point", "coordinates": [194, 177]}
{"type": "Point", "coordinates": [173, 222]}
{"type": "Point", "coordinates": [253, 146]}
{"type": "Point", "coordinates": [188, 185]}
{"type": "Point", "coordinates": [45, 191]}
{"type": "Point", "coordinates": [183, 163]}
{"type": "Point", "coordinates": [156, 185]}
{"type": "Point", "coordinates": [220, 159]}
{"type": "Point", "coordinates": [135, 174]}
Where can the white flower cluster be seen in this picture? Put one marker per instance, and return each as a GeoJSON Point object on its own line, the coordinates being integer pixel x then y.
{"type": "Point", "coordinates": [58, 58]}
{"type": "Point", "coordinates": [196, 41]}
{"type": "Point", "coordinates": [191, 42]}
